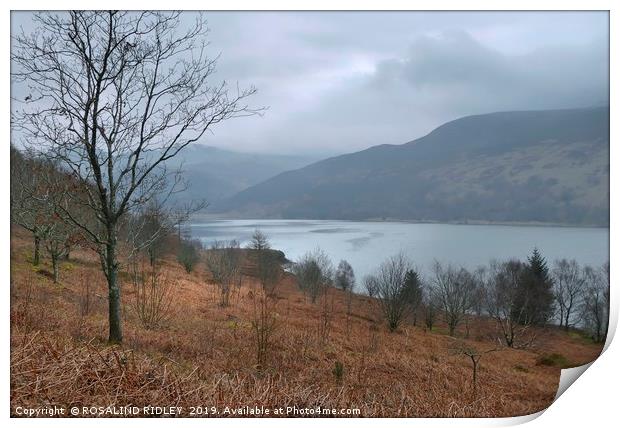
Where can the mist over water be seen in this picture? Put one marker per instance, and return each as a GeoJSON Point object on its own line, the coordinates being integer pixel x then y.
{"type": "Point", "coordinates": [366, 244]}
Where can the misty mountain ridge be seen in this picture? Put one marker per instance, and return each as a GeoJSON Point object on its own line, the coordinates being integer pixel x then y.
{"type": "Point", "coordinates": [213, 173]}
{"type": "Point", "coordinates": [548, 166]}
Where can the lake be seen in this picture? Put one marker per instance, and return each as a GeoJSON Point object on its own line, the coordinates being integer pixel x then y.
{"type": "Point", "coordinates": [366, 244]}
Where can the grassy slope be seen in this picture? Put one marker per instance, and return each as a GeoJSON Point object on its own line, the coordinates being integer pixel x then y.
{"type": "Point", "coordinates": [205, 354]}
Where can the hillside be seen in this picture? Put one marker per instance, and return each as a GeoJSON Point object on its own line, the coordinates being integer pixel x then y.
{"type": "Point", "coordinates": [212, 173]}
{"type": "Point", "coordinates": [204, 354]}
{"type": "Point", "coordinates": [528, 166]}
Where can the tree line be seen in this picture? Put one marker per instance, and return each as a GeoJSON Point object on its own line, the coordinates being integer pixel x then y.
{"type": "Point", "coordinates": [517, 295]}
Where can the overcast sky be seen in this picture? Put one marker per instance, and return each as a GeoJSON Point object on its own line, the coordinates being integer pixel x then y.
{"type": "Point", "coordinates": [341, 82]}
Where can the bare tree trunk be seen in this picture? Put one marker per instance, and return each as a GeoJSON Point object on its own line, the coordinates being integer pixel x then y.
{"type": "Point", "coordinates": [451, 328]}
{"type": "Point", "coordinates": [55, 267]}
{"type": "Point", "coordinates": [114, 290]}
{"type": "Point", "coordinates": [474, 361]}
{"type": "Point", "coordinates": [566, 326]}
{"type": "Point", "coordinates": [37, 251]}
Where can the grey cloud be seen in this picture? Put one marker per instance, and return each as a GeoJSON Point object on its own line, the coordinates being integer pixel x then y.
{"type": "Point", "coordinates": [545, 78]}
{"type": "Point", "coordinates": [442, 78]}
{"type": "Point", "coordinates": [337, 82]}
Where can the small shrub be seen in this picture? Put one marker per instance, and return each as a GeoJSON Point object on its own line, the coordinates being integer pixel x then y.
{"type": "Point", "coordinates": [153, 296]}
{"type": "Point", "coordinates": [264, 325]}
{"type": "Point", "coordinates": [314, 273]}
{"type": "Point", "coordinates": [338, 371]}
{"type": "Point", "coordinates": [521, 369]}
{"type": "Point", "coordinates": [553, 360]}
{"type": "Point", "coordinates": [224, 263]}
{"type": "Point", "coordinates": [324, 325]}
{"type": "Point", "coordinates": [188, 254]}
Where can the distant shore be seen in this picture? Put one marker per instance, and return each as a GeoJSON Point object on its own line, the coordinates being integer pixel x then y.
{"type": "Point", "coordinates": [219, 217]}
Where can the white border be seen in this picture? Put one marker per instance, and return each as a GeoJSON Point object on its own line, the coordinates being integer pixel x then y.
{"type": "Point", "coordinates": [590, 402]}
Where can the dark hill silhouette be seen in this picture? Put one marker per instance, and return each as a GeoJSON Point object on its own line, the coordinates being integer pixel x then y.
{"type": "Point", "coordinates": [524, 166]}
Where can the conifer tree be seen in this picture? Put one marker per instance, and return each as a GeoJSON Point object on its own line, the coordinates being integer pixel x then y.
{"type": "Point", "coordinates": [536, 296]}
{"type": "Point", "coordinates": [413, 292]}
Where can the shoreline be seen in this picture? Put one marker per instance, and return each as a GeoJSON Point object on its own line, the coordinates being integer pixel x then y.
{"type": "Point", "coordinates": [214, 218]}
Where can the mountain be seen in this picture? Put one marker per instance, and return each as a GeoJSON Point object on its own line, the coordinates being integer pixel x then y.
{"type": "Point", "coordinates": [547, 166]}
{"type": "Point", "coordinates": [213, 173]}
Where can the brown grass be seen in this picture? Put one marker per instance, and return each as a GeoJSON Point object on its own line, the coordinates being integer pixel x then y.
{"type": "Point", "coordinates": [205, 355]}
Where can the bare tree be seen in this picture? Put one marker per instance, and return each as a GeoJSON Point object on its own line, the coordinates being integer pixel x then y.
{"type": "Point", "coordinates": [503, 302]}
{"type": "Point", "coordinates": [224, 262]}
{"type": "Point", "coordinates": [606, 283]}
{"type": "Point", "coordinates": [481, 279]}
{"type": "Point", "coordinates": [154, 295]}
{"type": "Point", "coordinates": [157, 225]}
{"type": "Point", "coordinates": [595, 307]}
{"type": "Point", "coordinates": [344, 277]}
{"type": "Point", "coordinates": [264, 324]}
{"type": "Point", "coordinates": [56, 240]}
{"type": "Point", "coordinates": [37, 188]}
{"type": "Point", "coordinates": [28, 188]}
{"type": "Point", "coordinates": [267, 262]}
{"type": "Point", "coordinates": [431, 305]}
{"type": "Point", "coordinates": [345, 280]}
{"type": "Point", "coordinates": [392, 289]}
{"type": "Point", "coordinates": [326, 317]}
{"type": "Point", "coordinates": [314, 273]}
{"type": "Point", "coordinates": [454, 288]}
{"type": "Point", "coordinates": [269, 270]}
{"type": "Point", "coordinates": [189, 253]}
{"type": "Point", "coordinates": [569, 283]}
{"type": "Point", "coordinates": [474, 354]}
{"type": "Point", "coordinates": [114, 95]}
{"type": "Point", "coordinates": [370, 285]}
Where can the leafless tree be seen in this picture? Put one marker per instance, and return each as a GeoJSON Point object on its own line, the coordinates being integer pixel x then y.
{"type": "Point", "coordinates": [154, 295]}
{"type": "Point", "coordinates": [114, 95]}
{"type": "Point", "coordinates": [481, 274]}
{"type": "Point", "coordinates": [392, 288]}
{"type": "Point", "coordinates": [55, 240]}
{"type": "Point", "coordinates": [503, 302]}
{"type": "Point", "coordinates": [413, 293]}
{"type": "Point", "coordinates": [569, 284]}
{"type": "Point", "coordinates": [606, 283]}
{"type": "Point", "coordinates": [269, 270]}
{"type": "Point", "coordinates": [264, 324]}
{"type": "Point", "coordinates": [314, 272]}
{"type": "Point", "coordinates": [188, 253]}
{"type": "Point", "coordinates": [326, 317]}
{"type": "Point", "coordinates": [267, 262]}
{"type": "Point", "coordinates": [344, 277]}
{"type": "Point", "coordinates": [157, 225]}
{"type": "Point", "coordinates": [28, 189]}
{"type": "Point", "coordinates": [37, 188]}
{"type": "Point", "coordinates": [454, 289]}
{"type": "Point", "coordinates": [430, 305]}
{"type": "Point", "coordinates": [224, 262]}
{"type": "Point", "coordinates": [461, 348]}
{"type": "Point", "coordinates": [370, 285]}
{"type": "Point", "coordinates": [595, 306]}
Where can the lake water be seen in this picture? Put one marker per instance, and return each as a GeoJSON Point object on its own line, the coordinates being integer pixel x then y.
{"type": "Point", "coordinates": [366, 244]}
